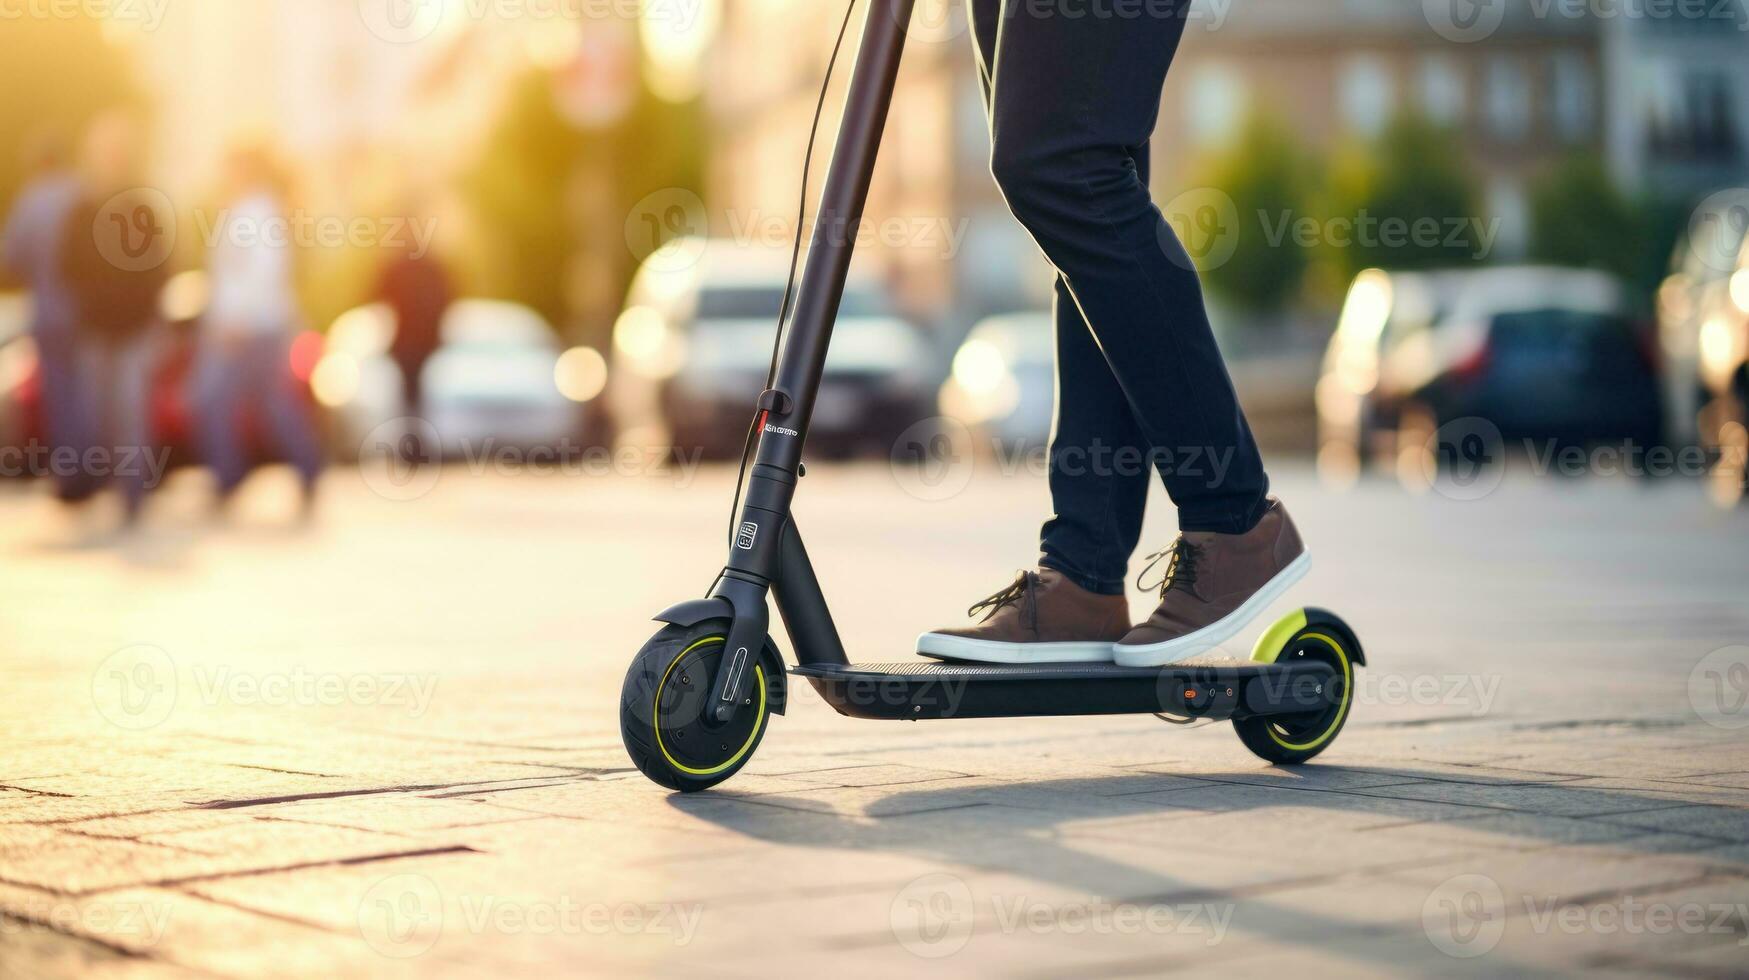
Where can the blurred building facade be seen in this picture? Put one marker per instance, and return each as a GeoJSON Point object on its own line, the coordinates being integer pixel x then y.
{"type": "Point", "coordinates": [1663, 100]}
{"type": "Point", "coordinates": [944, 236]}
{"type": "Point", "coordinates": [315, 77]}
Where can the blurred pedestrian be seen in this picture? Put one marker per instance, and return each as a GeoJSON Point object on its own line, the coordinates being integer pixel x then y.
{"type": "Point", "coordinates": [115, 244]}
{"type": "Point", "coordinates": [242, 371]}
{"type": "Point", "coordinates": [415, 286]}
{"type": "Point", "coordinates": [30, 250]}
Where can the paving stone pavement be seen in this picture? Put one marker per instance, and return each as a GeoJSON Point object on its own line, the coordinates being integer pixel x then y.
{"type": "Point", "coordinates": [386, 744]}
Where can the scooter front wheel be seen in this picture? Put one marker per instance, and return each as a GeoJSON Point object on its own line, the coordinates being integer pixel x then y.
{"type": "Point", "coordinates": [663, 720]}
{"type": "Point", "coordinates": [1295, 738]}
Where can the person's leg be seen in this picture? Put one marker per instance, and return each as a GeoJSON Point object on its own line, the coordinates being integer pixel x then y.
{"type": "Point", "coordinates": [284, 417]}
{"type": "Point", "coordinates": [1098, 475]}
{"type": "Point", "coordinates": [1073, 97]}
{"type": "Point", "coordinates": [130, 419]}
{"type": "Point", "coordinates": [62, 407]}
{"type": "Point", "coordinates": [1073, 608]}
{"type": "Point", "coordinates": [1098, 464]}
{"type": "Point", "coordinates": [218, 385]}
{"type": "Point", "coordinates": [413, 450]}
{"type": "Point", "coordinates": [77, 480]}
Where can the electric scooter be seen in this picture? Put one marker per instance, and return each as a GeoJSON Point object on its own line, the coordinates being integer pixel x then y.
{"type": "Point", "coordinates": [699, 695]}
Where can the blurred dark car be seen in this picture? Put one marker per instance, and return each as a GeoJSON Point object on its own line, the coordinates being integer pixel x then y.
{"type": "Point", "coordinates": [693, 344]}
{"type": "Point", "coordinates": [172, 410]}
{"type": "Point", "coordinates": [1542, 353]}
{"type": "Point", "coordinates": [1703, 326]}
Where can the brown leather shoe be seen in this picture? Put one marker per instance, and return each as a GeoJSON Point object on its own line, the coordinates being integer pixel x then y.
{"type": "Point", "coordinates": [1214, 585]}
{"type": "Point", "coordinates": [1041, 618]}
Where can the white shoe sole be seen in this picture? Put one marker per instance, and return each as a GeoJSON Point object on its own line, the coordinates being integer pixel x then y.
{"type": "Point", "coordinates": [998, 652]}
{"type": "Point", "coordinates": [1220, 631]}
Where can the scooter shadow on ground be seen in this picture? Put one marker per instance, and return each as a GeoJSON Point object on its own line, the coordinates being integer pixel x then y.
{"type": "Point", "coordinates": [1015, 830]}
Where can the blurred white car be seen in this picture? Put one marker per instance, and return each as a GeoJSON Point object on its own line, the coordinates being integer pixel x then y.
{"type": "Point", "coordinates": [1002, 385]}
{"type": "Point", "coordinates": [498, 378]}
{"type": "Point", "coordinates": [693, 344]}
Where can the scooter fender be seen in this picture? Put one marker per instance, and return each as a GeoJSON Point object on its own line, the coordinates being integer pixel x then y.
{"type": "Point", "coordinates": [696, 611]}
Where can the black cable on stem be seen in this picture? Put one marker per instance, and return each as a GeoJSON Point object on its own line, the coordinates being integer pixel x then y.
{"type": "Point", "coordinates": [784, 310]}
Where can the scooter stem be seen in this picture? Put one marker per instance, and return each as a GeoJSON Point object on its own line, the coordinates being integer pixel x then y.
{"type": "Point", "coordinates": [836, 220]}
{"type": "Point", "coordinates": [755, 556]}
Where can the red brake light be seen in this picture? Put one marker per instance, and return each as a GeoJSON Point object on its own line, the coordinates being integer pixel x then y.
{"type": "Point", "coordinates": [1472, 366]}
{"type": "Point", "coordinates": [306, 350]}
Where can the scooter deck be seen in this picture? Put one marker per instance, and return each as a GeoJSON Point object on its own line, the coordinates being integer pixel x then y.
{"type": "Point", "coordinates": [1207, 687]}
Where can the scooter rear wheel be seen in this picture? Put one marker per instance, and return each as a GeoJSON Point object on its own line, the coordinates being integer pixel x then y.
{"type": "Point", "coordinates": [1292, 739]}
{"type": "Point", "coordinates": [669, 735]}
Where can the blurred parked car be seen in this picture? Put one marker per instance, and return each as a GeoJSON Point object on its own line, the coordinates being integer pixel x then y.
{"type": "Point", "coordinates": [1703, 327]}
{"type": "Point", "coordinates": [1542, 353]}
{"type": "Point", "coordinates": [498, 379]}
{"type": "Point", "coordinates": [692, 347]}
{"type": "Point", "coordinates": [1003, 381]}
{"type": "Point", "coordinates": [183, 300]}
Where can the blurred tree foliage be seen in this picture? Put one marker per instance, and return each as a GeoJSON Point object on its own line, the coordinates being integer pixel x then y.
{"type": "Point", "coordinates": [549, 202]}
{"type": "Point", "coordinates": [56, 73]}
{"type": "Point", "coordinates": [1413, 176]}
{"type": "Point", "coordinates": [1270, 180]}
{"type": "Point", "coordinates": [1580, 217]}
{"type": "Point", "coordinates": [515, 192]}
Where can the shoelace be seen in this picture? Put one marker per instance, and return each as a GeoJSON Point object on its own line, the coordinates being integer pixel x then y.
{"type": "Point", "coordinates": [1021, 587]}
{"type": "Point", "coordinates": [1180, 569]}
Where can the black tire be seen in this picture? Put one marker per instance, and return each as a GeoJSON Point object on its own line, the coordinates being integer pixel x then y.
{"type": "Point", "coordinates": [668, 735]}
{"type": "Point", "coordinates": [1293, 739]}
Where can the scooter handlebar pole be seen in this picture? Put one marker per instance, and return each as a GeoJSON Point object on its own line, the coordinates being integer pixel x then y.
{"type": "Point", "coordinates": [837, 217]}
